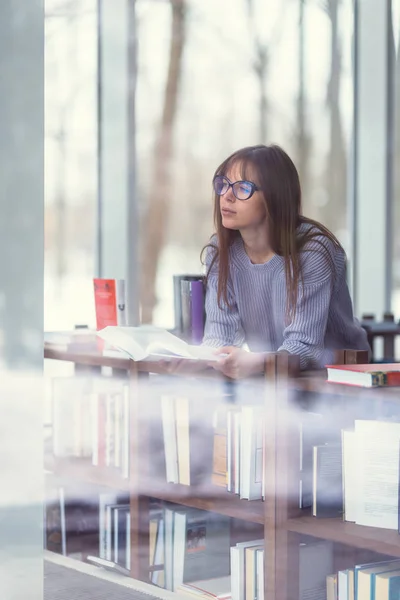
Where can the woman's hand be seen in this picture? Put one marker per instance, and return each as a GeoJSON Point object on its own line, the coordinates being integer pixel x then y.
{"type": "Point", "coordinates": [238, 364]}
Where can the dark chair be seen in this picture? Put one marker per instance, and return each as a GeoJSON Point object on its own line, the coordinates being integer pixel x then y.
{"type": "Point", "coordinates": [387, 329]}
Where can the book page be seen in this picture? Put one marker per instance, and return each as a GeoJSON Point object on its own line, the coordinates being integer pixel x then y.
{"type": "Point", "coordinates": [377, 448]}
{"type": "Point", "coordinates": [350, 466]}
{"type": "Point", "coordinates": [123, 339]}
{"type": "Point", "coordinates": [167, 344]}
{"type": "Point", "coordinates": [315, 564]}
{"type": "Point", "coordinates": [155, 343]}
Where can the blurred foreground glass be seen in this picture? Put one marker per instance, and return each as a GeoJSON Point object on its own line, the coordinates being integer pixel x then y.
{"type": "Point", "coordinates": [21, 298]}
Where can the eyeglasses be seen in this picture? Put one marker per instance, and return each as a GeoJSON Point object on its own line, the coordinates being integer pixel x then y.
{"type": "Point", "coordinates": [242, 190]}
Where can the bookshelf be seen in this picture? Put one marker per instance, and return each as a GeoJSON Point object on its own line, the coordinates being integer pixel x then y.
{"type": "Point", "coordinates": [283, 523]}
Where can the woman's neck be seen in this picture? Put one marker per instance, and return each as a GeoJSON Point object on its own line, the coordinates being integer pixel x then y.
{"type": "Point", "coordinates": [257, 246]}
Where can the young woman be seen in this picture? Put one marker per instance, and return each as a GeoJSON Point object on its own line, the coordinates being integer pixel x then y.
{"type": "Point", "coordinates": [276, 280]}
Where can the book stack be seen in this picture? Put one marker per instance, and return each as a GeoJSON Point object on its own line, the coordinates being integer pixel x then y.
{"type": "Point", "coordinates": [369, 375]}
{"type": "Point", "coordinates": [91, 420]}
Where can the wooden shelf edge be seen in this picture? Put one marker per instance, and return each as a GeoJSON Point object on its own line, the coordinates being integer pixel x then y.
{"type": "Point", "coordinates": [95, 359]}
{"type": "Point", "coordinates": [383, 541]}
{"type": "Point", "coordinates": [85, 473]}
{"type": "Point", "coordinates": [88, 359]}
{"type": "Point", "coordinates": [223, 503]}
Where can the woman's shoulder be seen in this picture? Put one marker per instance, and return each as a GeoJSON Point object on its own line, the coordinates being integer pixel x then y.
{"type": "Point", "coordinates": [313, 237]}
{"type": "Point", "coordinates": [321, 254]}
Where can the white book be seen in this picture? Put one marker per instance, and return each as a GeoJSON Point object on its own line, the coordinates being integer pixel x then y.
{"type": "Point", "coordinates": [110, 522]}
{"type": "Point", "coordinates": [117, 430]}
{"type": "Point", "coordinates": [104, 501]}
{"type": "Point", "coordinates": [235, 578]}
{"type": "Point", "coordinates": [179, 548]}
{"type": "Point", "coordinates": [62, 518]}
{"type": "Point", "coordinates": [251, 451]}
{"type": "Point", "coordinates": [154, 343]}
{"type": "Point", "coordinates": [346, 584]}
{"type": "Point", "coordinates": [238, 577]}
{"type": "Point", "coordinates": [377, 447]}
{"type": "Point", "coordinates": [109, 433]}
{"type": "Point", "coordinates": [170, 439]}
{"type": "Point", "coordinates": [68, 395]}
{"type": "Point", "coordinates": [95, 428]}
{"type": "Point", "coordinates": [237, 419]}
{"type": "Point", "coordinates": [316, 563]}
{"type": "Point", "coordinates": [157, 576]}
{"type": "Point", "coordinates": [349, 470]}
{"type": "Point", "coordinates": [125, 434]}
{"type": "Point", "coordinates": [343, 585]}
{"type": "Point", "coordinates": [260, 575]}
{"type": "Point", "coordinates": [128, 540]}
{"type": "Point", "coordinates": [119, 520]}
{"type": "Point", "coordinates": [229, 458]}
{"type": "Point", "coordinates": [168, 548]}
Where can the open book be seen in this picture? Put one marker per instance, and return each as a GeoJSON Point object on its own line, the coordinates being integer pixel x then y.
{"type": "Point", "coordinates": [154, 343]}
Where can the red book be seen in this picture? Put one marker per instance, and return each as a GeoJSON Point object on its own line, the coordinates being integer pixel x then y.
{"type": "Point", "coordinates": [371, 375]}
{"type": "Point", "coordinates": [109, 300]}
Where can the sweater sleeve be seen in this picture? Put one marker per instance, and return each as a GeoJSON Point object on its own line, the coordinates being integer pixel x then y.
{"type": "Point", "coordinates": [223, 326]}
{"type": "Point", "coordinates": [305, 334]}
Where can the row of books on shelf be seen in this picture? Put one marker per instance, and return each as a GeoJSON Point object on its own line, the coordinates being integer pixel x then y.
{"type": "Point", "coordinates": [371, 581]}
{"type": "Point", "coordinates": [236, 443]}
{"type": "Point", "coordinates": [94, 523]}
{"type": "Point", "coordinates": [91, 420]}
{"type": "Point", "coordinates": [357, 477]}
{"type": "Point", "coordinates": [190, 551]}
{"type": "Point", "coordinates": [352, 473]}
{"type": "Point", "coordinates": [194, 552]}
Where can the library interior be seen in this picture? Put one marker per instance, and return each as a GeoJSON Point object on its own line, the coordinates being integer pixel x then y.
{"type": "Point", "coordinates": [144, 454]}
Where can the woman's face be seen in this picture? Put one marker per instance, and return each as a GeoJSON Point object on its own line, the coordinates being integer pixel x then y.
{"type": "Point", "coordinates": [241, 214]}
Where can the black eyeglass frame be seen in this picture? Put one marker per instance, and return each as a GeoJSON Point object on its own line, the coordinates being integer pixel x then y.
{"type": "Point", "coordinates": [254, 187]}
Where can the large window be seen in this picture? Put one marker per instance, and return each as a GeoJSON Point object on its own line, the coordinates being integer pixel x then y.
{"type": "Point", "coordinates": [70, 161]}
{"type": "Point", "coordinates": [215, 77]}
{"type": "Point", "coordinates": [211, 77]}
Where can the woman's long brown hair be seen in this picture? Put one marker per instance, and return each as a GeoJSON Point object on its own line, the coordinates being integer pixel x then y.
{"type": "Point", "coordinates": [276, 176]}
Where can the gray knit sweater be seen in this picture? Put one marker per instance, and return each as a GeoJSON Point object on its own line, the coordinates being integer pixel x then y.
{"type": "Point", "coordinates": [257, 293]}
